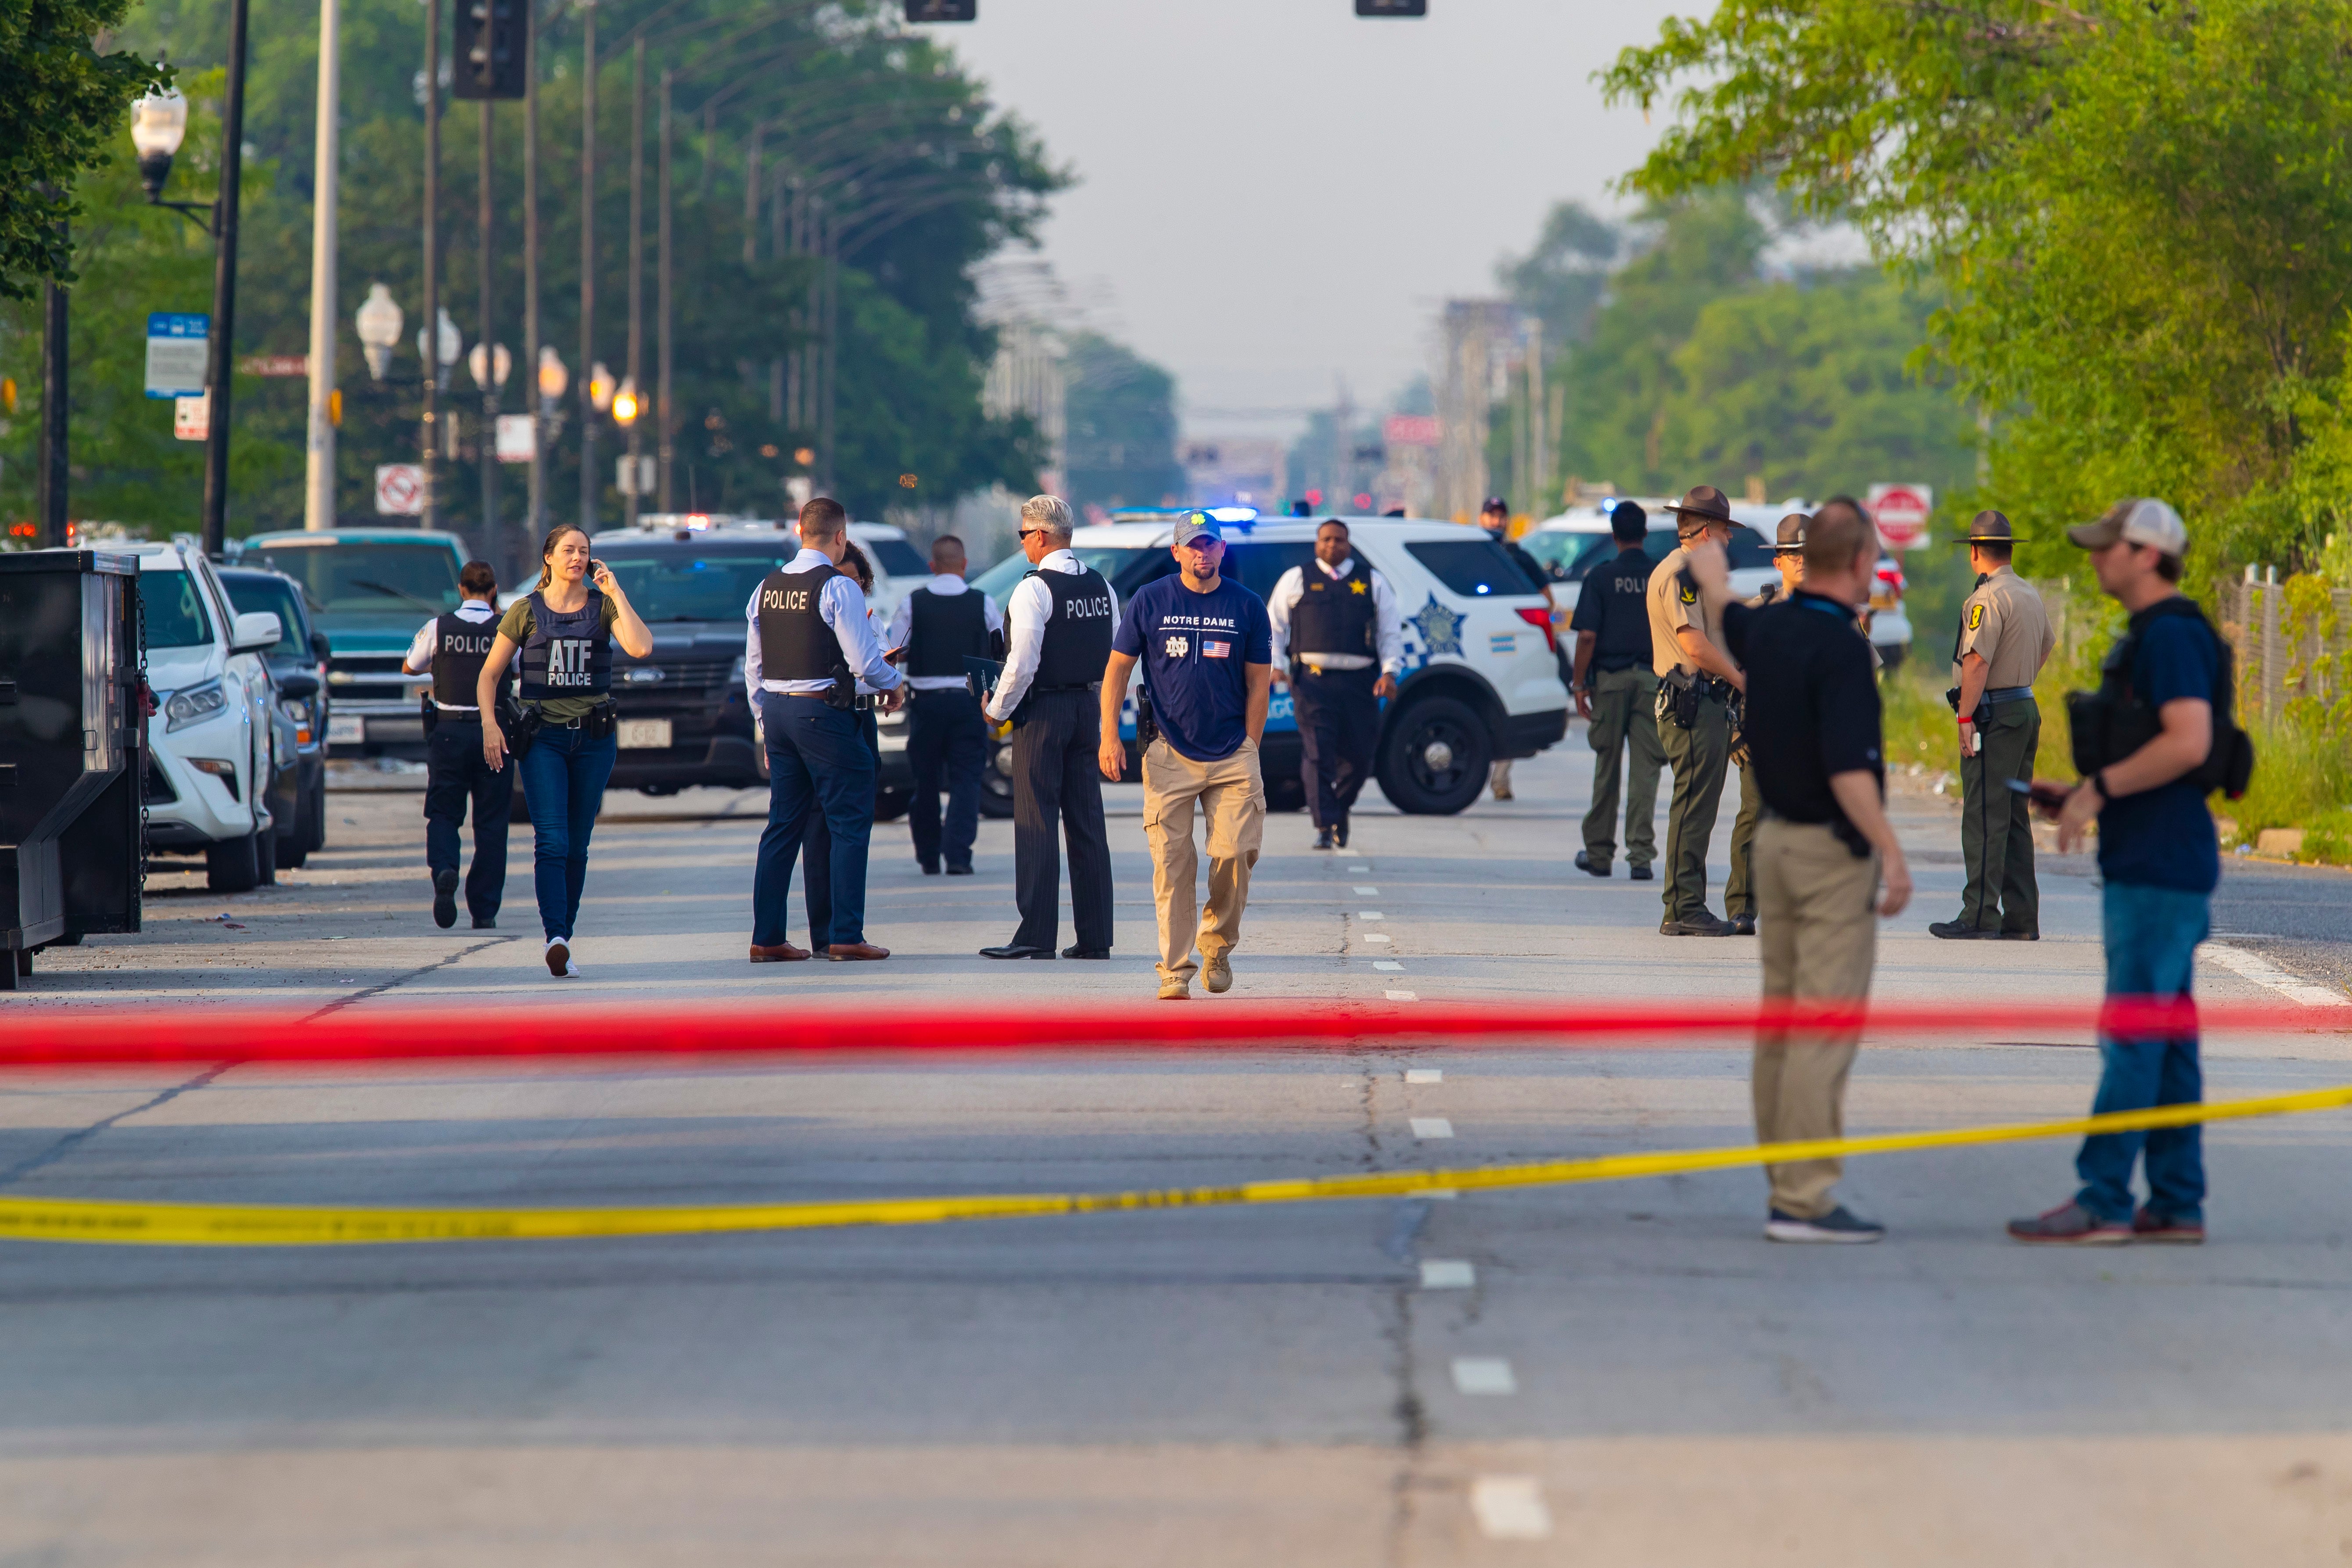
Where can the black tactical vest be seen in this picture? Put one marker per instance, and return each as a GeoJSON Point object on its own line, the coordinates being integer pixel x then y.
{"type": "Point", "coordinates": [1619, 590]}
{"type": "Point", "coordinates": [1077, 636]}
{"type": "Point", "coordinates": [460, 648]}
{"type": "Point", "coordinates": [567, 655]}
{"type": "Point", "coordinates": [944, 629]}
{"type": "Point", "coordinates": [1334, 615]}
{"type": "Point", "coordinates": [795, 642]}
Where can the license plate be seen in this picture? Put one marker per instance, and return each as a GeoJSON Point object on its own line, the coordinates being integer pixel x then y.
{"type": "Point", "coordinates": [643, 734]}
{"type": "Point", "coordinates": [346, 730]}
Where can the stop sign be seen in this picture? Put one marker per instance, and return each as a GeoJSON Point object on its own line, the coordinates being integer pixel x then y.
{"type": "Point", "coordinates": [1900, 513]}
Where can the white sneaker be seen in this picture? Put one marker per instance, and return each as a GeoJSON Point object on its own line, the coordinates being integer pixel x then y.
{"type": "Point", "coordinates": [559, 959]}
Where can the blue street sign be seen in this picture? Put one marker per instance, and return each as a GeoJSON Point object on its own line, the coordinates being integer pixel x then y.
{"type": "Point", "coordinates": [178, 353]}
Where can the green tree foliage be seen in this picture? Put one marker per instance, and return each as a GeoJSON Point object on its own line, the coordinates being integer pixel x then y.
{"type": "Point", "coordinates": [1122, 428]}
{"type": "Point", "coordinates": [1702, 368]}
{"type": "Point", "coordinates": [62, 94]}
{"type": "Point", "coordinates": [2140, 215]}
{"type": "Point", "coordinates": [1561, 279]}
{"type": "Point", "coordinates": [928, 177]}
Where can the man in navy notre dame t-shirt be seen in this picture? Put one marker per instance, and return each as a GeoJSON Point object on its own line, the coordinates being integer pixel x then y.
{"type": "Point", "coordinates": [1207, 650]}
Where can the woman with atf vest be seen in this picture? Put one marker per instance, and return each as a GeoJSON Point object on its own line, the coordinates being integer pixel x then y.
{"type": "Point", "coordinates": [566, 738]}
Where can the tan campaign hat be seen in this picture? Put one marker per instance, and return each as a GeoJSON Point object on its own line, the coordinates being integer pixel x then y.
{"type": "Point", "coordinates": [1790, 537]}
{"type": "Point", "coordinates": [1701, 505]}
{"type": "Point", "coordinates": [1988, 528]}
{"type": "Point", "coordinates": [2141, 521]}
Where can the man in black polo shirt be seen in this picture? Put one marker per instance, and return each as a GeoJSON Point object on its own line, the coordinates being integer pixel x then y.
{"type": "Point", "coordinates": [1823, 847]}
{"type": "Point", "coordinates": [1616, 693]}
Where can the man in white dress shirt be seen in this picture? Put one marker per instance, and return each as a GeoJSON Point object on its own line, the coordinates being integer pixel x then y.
{"type": "Point", "coordinates": [1058, 625]}
{"type": "Point", "coordinates": [454, 647]}
{"type": "Point", "coordinates": [936, 629]}
{"type": "Point", "coordinates": [1338, 634]}
{"type": "Point", "coordinates": [809, 643]}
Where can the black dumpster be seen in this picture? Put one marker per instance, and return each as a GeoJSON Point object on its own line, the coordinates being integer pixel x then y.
{"type": "Point", "coordinates": [73, 738]}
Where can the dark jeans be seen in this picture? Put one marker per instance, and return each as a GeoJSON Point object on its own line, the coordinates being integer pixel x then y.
{"type": "Point", "coordinates": [947, 741]}
{"type": "Point", "coordinates": [1057, 784]}
{"type": "Point", "coordinates": [455, 772]}
{"type": "Point", "coordinates": [563, 776]}
{"type": "Point", "coordinates": [2151, 936]}
{"type": "Point", "coordinates": [1339, 725]}
{"type": "Point", "coordinates": [820, 809]}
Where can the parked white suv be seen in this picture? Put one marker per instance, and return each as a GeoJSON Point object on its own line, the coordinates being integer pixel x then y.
{"type": "Point", "coordinates": [1481, 678]}
{"type": "Point", "coordinates": [214, 741]}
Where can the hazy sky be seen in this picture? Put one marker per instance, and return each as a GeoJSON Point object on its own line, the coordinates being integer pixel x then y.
{"type": "Point", "coordinates": [1274, 195]}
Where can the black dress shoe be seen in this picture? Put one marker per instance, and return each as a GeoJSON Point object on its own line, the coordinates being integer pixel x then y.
{"type": "Point", "coordinates": [959, 870]}
{"type": "Point", "coordinates": [1325, 839]}
{"type": "Point", "coordinates": [1640, 873]}
{"type": "Point", "coordinates": [490, 924]}
{"type": "Point", "coordinates": [1584, 863]}
{"type": "Point", "coordinates": [930, 871]}
{"type": "Point", "coordinates": [1015, 949]}
{"type": "Point", "coordinates": [1743, 925]}
{"type": "Point", "coordinates": [1960, 931]}
{"type": "Point", "coordinates": [1085, 952]}
{"type": "Point", "coordinates": [1339, 835]}
{"type": "Point", "coordinates": [444, 899]}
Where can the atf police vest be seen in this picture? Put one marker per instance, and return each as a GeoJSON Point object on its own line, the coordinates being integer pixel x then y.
{"type": "Point", "coordinates": [1077, 644]}
{"type": "Point", "coordinates": [1334, 615]}
{"type": "Point", "coordinates": [460, 648]}
{"type": "Point", "coordinates": [570, 654]}
{"type": "Point", "coordinates": [943, 630]}
{"type": "Point", "coordinates": [795, 642]}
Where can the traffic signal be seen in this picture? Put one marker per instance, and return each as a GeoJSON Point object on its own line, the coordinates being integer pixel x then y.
{"type": "Point", "coordinates": [492, 49]}
{"type": "Point", "coordinates": [1391, 8]}
{"type": "Point", "coordinates": [943, 10]}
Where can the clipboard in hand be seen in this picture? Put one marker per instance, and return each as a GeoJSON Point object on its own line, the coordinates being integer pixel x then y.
{"type": "Point", "coordinates": [980, 675]}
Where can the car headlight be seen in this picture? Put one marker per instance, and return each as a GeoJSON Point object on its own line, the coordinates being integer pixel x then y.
{"type": "Point", "coordinates": [193, 706]}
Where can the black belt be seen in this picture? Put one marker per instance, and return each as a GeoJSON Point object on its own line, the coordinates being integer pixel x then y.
{"type": "Point", "coordinates": [2009, 694]}
{"type": "Point", "coordinates": [1082, 686]}
{"type": "Point", "coordinates": [547, 723]}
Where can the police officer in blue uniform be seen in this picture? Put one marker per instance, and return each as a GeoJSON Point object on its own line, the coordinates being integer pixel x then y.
{"type": "Point", "coordinates": [809, 643]}
{"type": "Point", "coordinates": [1338, 632]}
{"type": "Point", "coordinates": [936, 629]}
{"type": "Point", "coordinates": [454, 647]}
{"type": "Point", "coordinates": [1058, 625]}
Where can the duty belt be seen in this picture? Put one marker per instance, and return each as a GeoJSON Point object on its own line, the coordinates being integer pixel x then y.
{"type": "Point", "coordinates": [2009, 694]}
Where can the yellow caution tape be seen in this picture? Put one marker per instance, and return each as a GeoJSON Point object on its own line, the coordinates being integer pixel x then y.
{"type": "Point", "coordinates": [227, 1225]}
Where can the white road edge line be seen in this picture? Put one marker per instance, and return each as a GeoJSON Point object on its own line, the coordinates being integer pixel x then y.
{"type": "Point", "coordinates": [1431, 1127]}
{"type": "Point", "coordinates": [1447, 1274]}
{"type": "Point", "coordinates": [1483, 1374]}
{"type": "Point", "coordinates": [2254, 966]}
{"type": "Point", "coordinates": [1510, 1508]}
{"type": "Point", "coordinates": [1425, 1075]}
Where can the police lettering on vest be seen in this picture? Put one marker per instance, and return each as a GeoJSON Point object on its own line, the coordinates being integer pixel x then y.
{"type": "Point", "coordinates": [795, 642]}
{"type": "Point", "coordinates": [1076, 642]}
{"type": "Point", "coordinates": [460, 648]}
{"type": "Point", "coordinates": [943, 630]}
{"type": "Point", "coordinates": [1334, 615]}
{"type": "Point", "coordinates": [569, 654]}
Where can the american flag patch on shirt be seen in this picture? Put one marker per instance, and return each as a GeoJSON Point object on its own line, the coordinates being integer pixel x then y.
{"type": "Point", "coordinates": [1210, 649]}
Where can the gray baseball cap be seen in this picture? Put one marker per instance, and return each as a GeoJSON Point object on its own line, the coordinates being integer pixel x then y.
{"type": "Point", "coordinates": [2141, 521]}
{"type": "Point", "coordinates": [1198, 525]}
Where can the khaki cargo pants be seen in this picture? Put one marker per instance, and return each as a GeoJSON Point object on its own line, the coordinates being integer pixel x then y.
{"type": "Point", "coordinates": [1231, 794]}
{"type": "Point", "coordinates": [1819, 937]}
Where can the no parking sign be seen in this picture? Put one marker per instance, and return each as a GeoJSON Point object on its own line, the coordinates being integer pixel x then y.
{"type": "Point", "coordinates": [400, 489]}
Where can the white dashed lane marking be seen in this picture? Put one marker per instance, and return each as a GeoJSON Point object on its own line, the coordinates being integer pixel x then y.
{"type": "Point", "coordinates": [1369, 915]}
{"type": "Point", "coordinates": [1390, 964]}
{"type": "Point", "coordinates": [1510, 1508]}
{"type": "Point", "coordinates": [2254, 966]}
{"type": "Point", "coordinates": [1368, 892]}
{"type": "Point", "coordinates": [1483, 1374]}
{"type": "Point", "coordinates": [1404, 997]}
{"type": "Point", "coordinates": [1431, 1127]}
{"type": "Point", "coordinates": [1424, 1075]}
{"type": "Point", "coordinates": [1447, 1274]}
{"type": "Point", "coordinates": [1358, 869]}
{"type": "Point", "coordinates": [1380, 937]}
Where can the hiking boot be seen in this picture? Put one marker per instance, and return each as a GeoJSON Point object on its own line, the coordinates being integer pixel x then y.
{"type": "Point", "coordinates": [1175, 990]}
{"type": "Point", "coordinates": [1703, 924]}
{"type": "Point", "coordinates": [2071, 1225]}
{"type": "Point", "coordinates": [1219, 974]}
{"type": "Point", "coordinates": [1840, 1226]}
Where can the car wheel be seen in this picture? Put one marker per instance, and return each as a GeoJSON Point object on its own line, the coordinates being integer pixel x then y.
{"type": "Point", "coordinates": [265, 859]}
{"type": "Point", "coordinates": [234, 865]}
{"type": "Point", "coordinates": [1435, 758]}
{"type": "Point", "coordinates": [996, 783]}
{"type": "Point", "coordinates": [890, 804]}
{"type": "Point", "coordinates": [318, 816]}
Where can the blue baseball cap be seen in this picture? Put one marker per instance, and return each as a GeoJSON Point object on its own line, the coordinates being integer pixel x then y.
{"type": "Point", "coordinates": [1198, 525]}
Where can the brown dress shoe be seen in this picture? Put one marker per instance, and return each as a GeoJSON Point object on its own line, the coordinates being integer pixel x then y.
{"type": "Point", "coordinates": [855, 952]}
{"type": "Point", "coordinates": [782, 952]}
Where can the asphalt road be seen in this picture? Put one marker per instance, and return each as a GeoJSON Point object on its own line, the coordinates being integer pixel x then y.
{"type": "Point", "coordinates": [1619, 1373]}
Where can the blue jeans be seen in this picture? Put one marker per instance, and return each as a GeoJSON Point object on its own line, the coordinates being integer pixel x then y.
{"type": "Point", "coordinates": [563, 776]}
{"type": "Point", "coordinates": [2151, 939]}
{"type": "Point", "coordinates": [821, 793]}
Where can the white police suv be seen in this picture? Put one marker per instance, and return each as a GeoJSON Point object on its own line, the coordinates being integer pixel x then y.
{"type": "Point", "coordinates": [1481, 679]}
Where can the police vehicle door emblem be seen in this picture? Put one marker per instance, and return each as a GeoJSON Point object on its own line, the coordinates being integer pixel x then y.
{"type": "Point", "coordinates": [1440, 627]}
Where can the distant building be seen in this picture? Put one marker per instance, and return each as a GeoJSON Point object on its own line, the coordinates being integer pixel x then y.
{"type": "Point", "coordinates": [1243, 471]}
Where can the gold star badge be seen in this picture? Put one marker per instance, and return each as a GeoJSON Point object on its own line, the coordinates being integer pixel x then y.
{"type": "Point", "coordinates": [1355, 587]}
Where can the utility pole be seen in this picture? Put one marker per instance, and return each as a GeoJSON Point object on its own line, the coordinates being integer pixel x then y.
{"type": "Point", "coordinates": [319, 450]}
{"type": "Point", "coordinates": [829, 244]}
{"type": "Point", "coordinates": [56, 396]}
{"type": "Point", "coordinates": [432, 339]}
{"type": "Point", "coordinates": [486, 441]}
{"type": "Point", "coordinates": [631, 502]}
{"type": "Point", "coordinates": [224, 322]}
{"type": "Point", "coordinates": [665, 415]}
{"type": "Point", "coordinates": [535, 518]}
{"type": "Point", "coordinates": [589, 483]}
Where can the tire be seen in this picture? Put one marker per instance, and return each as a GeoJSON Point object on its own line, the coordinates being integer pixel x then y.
{"type": "Point", "coordinates": [996, 783]}
{"type": "Point", "coordinates": [1434, 759]}
{"type": "Point", "coordinates": [1286, 794]}
{"type": "Point", "coordinates": [318, 816]}
{"type": "Point", "coordinates": [890, 804]}
{"type": "Point", "coordinates": [265, 858]}
{"type": "Point", "coordinates": [234, 865]}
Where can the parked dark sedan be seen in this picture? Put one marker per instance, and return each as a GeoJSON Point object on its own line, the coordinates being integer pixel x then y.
{"type": "Point", "coordinates": [298, 666]}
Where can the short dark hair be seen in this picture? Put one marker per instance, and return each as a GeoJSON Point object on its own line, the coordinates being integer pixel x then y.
{"type": "Point", "coordinates": [947, 541]}
{"type": "Point", "coordinates": [1333, 522]}
{"type": "Point", "coordinates": [1628, 523]}
{"type": "Point", "coordinates": [2169, 567]}
{"type": "Point", "coordinates": [853, 562]}
{"type": "Point", "coordinates": [1992, 549]}
{"type": "Point", "coordinates": [1837, 536]}
{"type": "Point", "coordinates": [823, 516]}
{"type": "Point", "coordinates": [477, 579]}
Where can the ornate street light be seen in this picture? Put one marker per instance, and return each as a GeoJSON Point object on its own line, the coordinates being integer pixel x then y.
{"type": "Point", "coordinates": [552, 375]}
{"type": "Point", "coordinates": [159, 123]}
{"type": "Point", "coordinates": [600, 388]}
{"type": "Point", "coordinates": [490, 367]}
{"type": "Point", "coordinates": [452, 344]}
{"type": "Point", "coordinates": [379, 321]}
{"type": "Point", "coordinates": [624, 402]}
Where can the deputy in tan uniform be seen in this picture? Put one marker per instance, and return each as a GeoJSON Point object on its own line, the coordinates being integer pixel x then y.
{"type": "Point", "coordinates": [2004, 640]}
{"type": "Point", "coordinates": [1695, 679]}
{"type": "Point", "coordinates": [1739, 888]}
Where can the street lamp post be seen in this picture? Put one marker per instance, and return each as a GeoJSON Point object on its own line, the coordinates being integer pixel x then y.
{"type": "Point", "coordinates": [630, 499]}
{"type": "Point", "coordinates": [485, 215]}
{"type": "Point", "coordinates": [378, 321]}
{"type": "Point", "coordinates": [318, 460]}
{"type": "Point", "coordinates": [431, 440]}
{"type": "Point", "coordinates": [589, 410]}
{"type": "Point", "coordinates": [490, 365]}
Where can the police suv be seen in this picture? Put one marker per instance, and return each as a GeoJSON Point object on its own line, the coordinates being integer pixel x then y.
{"type": "Point", "coordinates": [1481, 680]}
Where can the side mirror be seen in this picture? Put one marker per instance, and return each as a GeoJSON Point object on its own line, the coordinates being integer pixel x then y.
{"type": "Point", "coordinates": [301, 686]}
{"type": "Point", "coordinates": [321, 649]}
{"type": "Point", "coordinates": [254, 631]}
